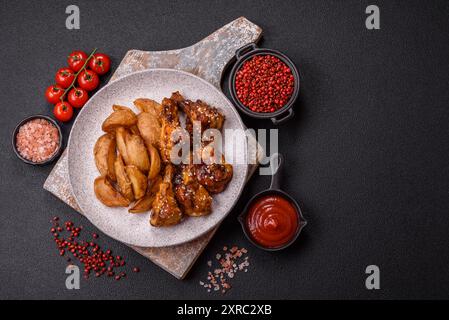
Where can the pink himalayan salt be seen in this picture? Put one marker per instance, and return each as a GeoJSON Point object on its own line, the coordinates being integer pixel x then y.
{"type": "Point", "coordinates": [37, 140]}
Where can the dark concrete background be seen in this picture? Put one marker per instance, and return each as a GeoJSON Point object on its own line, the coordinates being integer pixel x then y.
{"type": "Point", "coordinates": [367, 154]}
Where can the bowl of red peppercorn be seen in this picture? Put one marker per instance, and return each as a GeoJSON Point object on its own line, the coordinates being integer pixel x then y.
{"type": "Point", "coordinates": [264, 83]}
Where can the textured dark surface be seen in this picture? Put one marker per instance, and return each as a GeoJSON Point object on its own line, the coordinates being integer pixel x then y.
{"type": "Point", "coordinates": [367, 153]}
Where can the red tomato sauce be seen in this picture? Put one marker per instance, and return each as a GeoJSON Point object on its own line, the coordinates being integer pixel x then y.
{"type": "Point", "coordinates": [272, 221]}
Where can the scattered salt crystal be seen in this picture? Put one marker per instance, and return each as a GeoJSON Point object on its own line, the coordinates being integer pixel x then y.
{"type": "Point", "coordinates": [232, 262]}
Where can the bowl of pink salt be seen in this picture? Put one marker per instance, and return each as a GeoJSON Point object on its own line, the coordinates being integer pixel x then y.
{"type": "Point", "coordinates": [37, 140]}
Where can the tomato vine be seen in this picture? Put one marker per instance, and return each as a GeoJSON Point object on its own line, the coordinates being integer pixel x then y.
{"type": "Point", "coordinates": [72, 85]}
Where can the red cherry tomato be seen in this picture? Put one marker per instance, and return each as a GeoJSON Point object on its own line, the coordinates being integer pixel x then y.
{"type": "Point", "coordinates": [100, 63]}
{"type": "Point", "coordinates": [54, 93]}
{"type": "Point", "coordinates": [76, 60]}
{"type": "Point", "coordinates": [88, 80]}
{"type": "Point", "coordinates": [77, 97]}
{"type": "Point", "coordinates": [63, 111]}
{"type": "Point", "coordinates": [64, 77]}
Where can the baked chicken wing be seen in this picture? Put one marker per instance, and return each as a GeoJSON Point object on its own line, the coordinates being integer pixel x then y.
{"type": "Point", "coordinates": [212, 172]}
{"type": "Point", "coordinates": [209, 117]}
{"type": "Point", "coordinates": [191, 196]}
{"type": "Point", "coordinates": [214, 177]}
{"type": "Point", "coordinates": [215, 174]}
{"type": "Point", "coordinates": [170, 123]}
{"type": "Point", "coordinates": [165, 210]}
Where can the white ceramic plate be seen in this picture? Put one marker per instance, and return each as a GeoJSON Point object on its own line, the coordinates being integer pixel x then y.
{"type": "Point", "coordinates": [135, 229]}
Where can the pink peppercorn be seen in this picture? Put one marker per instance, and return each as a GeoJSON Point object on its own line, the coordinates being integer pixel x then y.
{"type": "Point", "coordinates": [264, 83]}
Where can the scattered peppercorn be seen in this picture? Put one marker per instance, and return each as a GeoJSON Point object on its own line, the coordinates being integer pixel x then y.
{"type": "Point", "coordinates": [264, 83]}
{"type": "Point", "coordinates": [89, 254]}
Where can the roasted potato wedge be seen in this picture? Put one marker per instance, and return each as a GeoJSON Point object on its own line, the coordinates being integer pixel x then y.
{"type": "Point", "coordinates": [106, 193]}
{"type": "Point", "coordinates": [123, 181]}
{"type": "Point", "coordinates": [135, 130]}
{"type": "Point", "coordinates": [149, 106]}
{"type": "Point", "coordinates": [117, 107]}
{"type": "Point", "coordinates": [138, 180]}
{"type": "Point", "coordinates": [104, 154]}
{"type": "Point", "coordinates": [136, 153]}
{"type": "Point", "coordinates": [149, 128]}
{"type": "Point", "coordinates": [121, 136]}
{"type": "Point", "coordinates": [120, 118]}
{"type": "Point", "coordinates": [153, 184]}
{"type": "Point", "coordinates": [145, 203]}
{"type": "Point", "coordinates": [155, 162]}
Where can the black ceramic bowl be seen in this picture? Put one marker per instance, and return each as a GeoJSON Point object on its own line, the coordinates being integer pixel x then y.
{"type": "Point", "coordinates": [247, 52]}
{"type": "Point", "coordinates": [273, 190]}
{"type": "Point", "coordinates": [16, 130]}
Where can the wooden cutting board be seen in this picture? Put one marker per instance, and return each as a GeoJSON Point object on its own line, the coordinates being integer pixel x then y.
{"type": "Point", "coordinates": [206, 59]}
